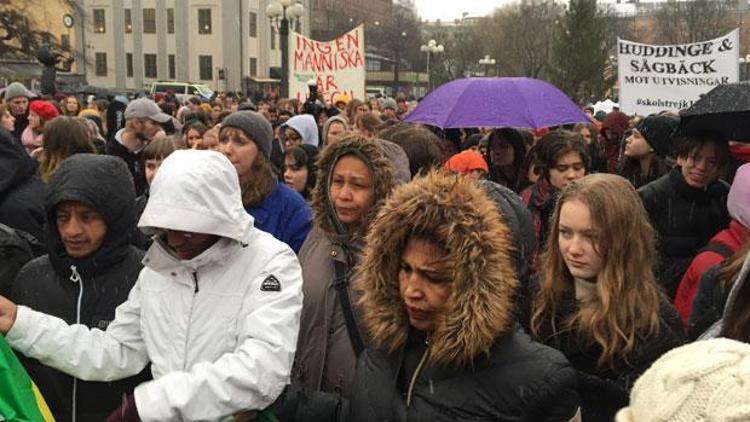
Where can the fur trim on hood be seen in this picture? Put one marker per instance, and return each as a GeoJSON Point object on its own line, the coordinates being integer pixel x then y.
{"type": "Point", "coordinates": [470, 228]}
{"type": "Point", "coordinates": [325, 217]}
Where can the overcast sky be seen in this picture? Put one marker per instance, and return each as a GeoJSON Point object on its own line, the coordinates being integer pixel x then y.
{"type": "Point", "coordinates": [448, 10]}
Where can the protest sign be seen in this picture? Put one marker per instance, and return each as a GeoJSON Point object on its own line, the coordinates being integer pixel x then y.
{"type": "Point", "coordinates": [338, 66]}
{"type": "Point", "coordinates": [655, 78]}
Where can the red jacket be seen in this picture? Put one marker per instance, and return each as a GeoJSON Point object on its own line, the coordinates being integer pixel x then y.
{"type": "Point", "coordinates": [733, 237]}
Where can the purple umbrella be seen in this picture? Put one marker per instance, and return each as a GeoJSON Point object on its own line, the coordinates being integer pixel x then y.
{"type": "Point", "coordinates": [497, 102]}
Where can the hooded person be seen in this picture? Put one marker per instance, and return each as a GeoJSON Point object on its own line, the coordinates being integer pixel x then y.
{"type": "Point", "coordinates": [215, 309]}
{"type": "Point", "coordinates": [245, 138]}
{"type": "Point", "coordinates": [354, 178]}
{"type": "Point", "coordinates": [614, 126]}
{"type": "Point", "coordinates": [647, 148]}
{"type": "Point", "coordinates": [300, 129]}
{"type": "Point", "coordinates": [87, 273]}
{"type": "Point", "coordinates": [334, 129]}
{"type": "Point", "coordinates": [21, 190]}
{"type": "Point", "coordinates": [444, 343]}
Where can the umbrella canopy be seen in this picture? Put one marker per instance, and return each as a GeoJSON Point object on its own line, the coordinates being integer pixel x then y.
{"type": "Point", "coordinates": [723, 111]}
{"type": "Point", "coordinates": [497, 102]}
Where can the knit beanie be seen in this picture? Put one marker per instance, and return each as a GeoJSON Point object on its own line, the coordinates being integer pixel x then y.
{"type": "Point", "coordinates": [702, 381]}
{"type": "Point", "coordinates": [44, 109]}
{"type": "Point", "coordinates": [466, 161]}
{"type": "Point", "coordinates": [738, 201]}
{"type": "Point", "coordinates": [255, 127]}
{"type": "Point", "coordinates": [16, 89]}
{"type": "Point", "coordinates": [658, 131]}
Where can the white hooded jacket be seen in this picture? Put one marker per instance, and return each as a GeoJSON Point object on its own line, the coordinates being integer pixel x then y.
{"type": "Point", "coordinates": [220, 330]}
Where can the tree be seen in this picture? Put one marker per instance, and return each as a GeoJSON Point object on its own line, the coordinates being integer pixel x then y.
{"type": "Point", "coordinates": [519, 37]}
{"type": "Point", "coordinates": [693, 20]}
{"type": "Point", "coordinates": [580, 50]}
{"type": "Point", "coordinates": [20, 37]}
{"type": "Point", "coordinates": [400, 38]}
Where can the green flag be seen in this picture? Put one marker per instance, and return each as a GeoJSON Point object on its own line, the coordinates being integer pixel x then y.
{"type": "Point", "coordinates": [20, 400]}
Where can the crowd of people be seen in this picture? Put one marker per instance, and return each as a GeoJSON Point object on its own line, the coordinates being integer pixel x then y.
{"type": "Point", "coordinates": [330, 262]}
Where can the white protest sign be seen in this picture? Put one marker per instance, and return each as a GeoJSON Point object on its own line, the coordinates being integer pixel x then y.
{"type": "Point", "coordinates": [338, 66]}
{"type": "Point", "coordinates": [655, 78]}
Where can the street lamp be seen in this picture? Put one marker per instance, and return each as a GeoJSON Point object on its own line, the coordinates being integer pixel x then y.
{"type": "Point", "coordinates": [487, 62]}
{"type": "Point", "coordinates": [431, 47]}
{"type": "Point", "coordinates": [281, 12]}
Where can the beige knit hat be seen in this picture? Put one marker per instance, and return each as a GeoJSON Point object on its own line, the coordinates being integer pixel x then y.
{"type": "Point", "coordinates": [702, 381]}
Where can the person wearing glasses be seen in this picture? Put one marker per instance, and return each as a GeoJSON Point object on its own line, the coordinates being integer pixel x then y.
{"type": "Point", "coordinates": [687, 206]}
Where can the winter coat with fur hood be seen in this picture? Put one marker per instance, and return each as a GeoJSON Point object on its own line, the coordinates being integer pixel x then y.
{"type": "Point", "coordinates": [325, 359]}
{"type": "Point", "coordinates": [477, 364]}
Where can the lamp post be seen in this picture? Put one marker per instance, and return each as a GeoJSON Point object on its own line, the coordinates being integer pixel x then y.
{"type": "Point", "coordinates": [430, 48]}
{"type": "Point", "coordinates": [487, 61]}
{"type": "Point", "coordinates": [281, 12]}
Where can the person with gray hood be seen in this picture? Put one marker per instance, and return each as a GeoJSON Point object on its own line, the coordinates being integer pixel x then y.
{"type": "Point", "coordinates": [299, 130]}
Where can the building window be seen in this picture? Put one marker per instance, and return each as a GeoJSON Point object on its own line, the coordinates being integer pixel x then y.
{"type": "Point", "coordinates": [172, 72]}
{"type": "Point", "coordinates": [373, 65]}
{"type": "Point", "coordinates": [273, 39]}
{"type": "Point", "coordinates": [149, 65]}
{"type": "Point", "coordinates": [129, 64]}
{"type": "Point", "coordinates": [101, 64]}
{"type": "Point", "coordinates": [65, 42]}
{"type": "Point", "coordinates": [204, 21]}
{"type": "Point", "coordinates": [100, 26]}
{"type": "Point", "coordinates": [253, 27]}
{"type": "Point", "coordinates": [149, 21]}
{"type": "Point", "coordinates": [128, 22]}
{"type": "Point", "coordinates": [206, 66]}
{"type": "Point", "coordinates": [253, 66]}
{"type": "Point", "coordinates": [170, 21]}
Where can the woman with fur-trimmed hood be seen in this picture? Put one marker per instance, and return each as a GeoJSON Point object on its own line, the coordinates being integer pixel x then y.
{"type": "Point", "coordinates": [353, 180]}
{"type": "Point", "coordinates": [437, 284]}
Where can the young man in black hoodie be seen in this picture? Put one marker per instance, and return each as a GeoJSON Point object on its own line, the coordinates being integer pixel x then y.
{"type": "Point", "coordinates": [89, 270]}
{"type": "Point", "coordinates": [687, 206]}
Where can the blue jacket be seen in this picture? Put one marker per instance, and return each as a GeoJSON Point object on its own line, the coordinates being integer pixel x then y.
{"type": "Point", "coordinates": [284, 214]}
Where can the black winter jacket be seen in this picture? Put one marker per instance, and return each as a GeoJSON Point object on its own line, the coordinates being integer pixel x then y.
{"type": "Point", "coordinates": [606, 390]}
{"type": "Point", "coordinates": [709, 302]}
{"type": "Point", "coordinates": [54, 282]}
{"type": "Point", "coordinates": [520, 380]}
{"type": "Point", "coordinates": [685, 218]}
{"type": "Point", "coordinates": [21, 191]}
{"type": "Point", "coordinates": [134, 161]}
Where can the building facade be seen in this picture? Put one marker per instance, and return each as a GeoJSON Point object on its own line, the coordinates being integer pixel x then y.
{"type": "Point", "coordinates": [226, 45]}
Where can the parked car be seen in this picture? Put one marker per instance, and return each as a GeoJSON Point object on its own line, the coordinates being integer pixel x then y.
{"type": "Point", "coordinates": [182, 90]}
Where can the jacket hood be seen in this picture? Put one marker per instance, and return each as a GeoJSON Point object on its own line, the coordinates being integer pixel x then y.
{"type": "Point", "coordinates": [459, 214]}
{"type": "Point", "coordinates": [325, 216]}
{"type": "Point", "coordinates": [103, 182]}
{"type": "Point", "coordinates": [331, 120]}
{"type": "Point", "coordinates": [616, 121]}
{"type": "Point", "coordinates": [15, 164]}
{"type": "Point", "coordinates": [305, 125]}
{"type": "Point", "coordinates": [197, 191]}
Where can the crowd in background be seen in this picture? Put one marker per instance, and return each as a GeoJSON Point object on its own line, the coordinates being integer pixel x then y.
{"type": "Point", "coordinates": [440, 274]}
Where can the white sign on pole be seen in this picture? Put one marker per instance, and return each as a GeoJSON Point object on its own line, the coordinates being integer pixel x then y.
{"type": "Point", "coordinates": [338, 66]}
{"type": "Point", "coordinates": [654, 78]}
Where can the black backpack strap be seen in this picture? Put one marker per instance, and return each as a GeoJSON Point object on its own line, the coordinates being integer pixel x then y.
{"type": "Point", "coordinates": [342, 281]}
{"type": "Point", "coordinates": [719, 248]}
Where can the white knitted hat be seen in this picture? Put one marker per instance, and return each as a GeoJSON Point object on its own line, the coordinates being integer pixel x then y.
{"type": "Point", "coordinates": [702, 381]}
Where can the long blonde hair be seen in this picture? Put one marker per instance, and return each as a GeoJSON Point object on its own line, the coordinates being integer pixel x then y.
{"type": "Point", "coordinates": [626, 307]}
